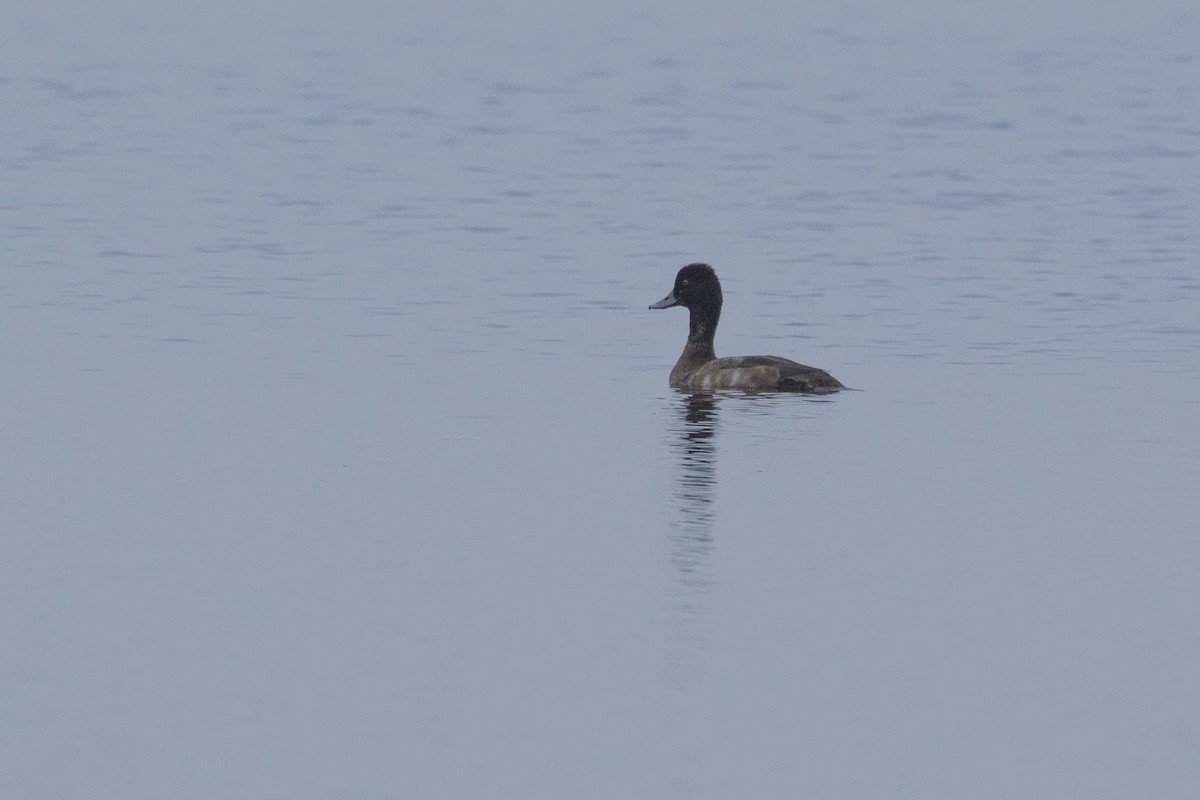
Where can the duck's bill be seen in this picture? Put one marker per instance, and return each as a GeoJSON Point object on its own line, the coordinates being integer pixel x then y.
{"type": "Point", "coordinates": [667, 302]}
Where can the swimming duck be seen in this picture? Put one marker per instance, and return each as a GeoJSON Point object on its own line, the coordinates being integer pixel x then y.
{"type": "Point", "coordinates": [698, 368]}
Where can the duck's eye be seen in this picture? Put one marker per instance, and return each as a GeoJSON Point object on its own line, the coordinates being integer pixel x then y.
{"type": "Point", "coordinates": [684, 282]}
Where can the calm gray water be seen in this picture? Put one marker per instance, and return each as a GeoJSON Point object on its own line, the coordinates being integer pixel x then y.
{"type": "Point", "coordinates": [338, 456]}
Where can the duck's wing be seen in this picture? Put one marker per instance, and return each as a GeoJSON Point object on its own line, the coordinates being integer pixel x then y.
{"type": "Point", "coordinates": [794, 377]}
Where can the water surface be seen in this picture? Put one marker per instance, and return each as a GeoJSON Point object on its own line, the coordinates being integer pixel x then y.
{"type": "Point", "coordinates": [340, 461]}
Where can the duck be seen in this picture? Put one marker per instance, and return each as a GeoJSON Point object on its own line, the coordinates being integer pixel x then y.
{"type": "Point", "coordinates": [698, 368]}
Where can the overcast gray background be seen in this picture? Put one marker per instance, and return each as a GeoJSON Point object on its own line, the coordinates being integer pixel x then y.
{"type": "Point", "coordinates": [338, 457]}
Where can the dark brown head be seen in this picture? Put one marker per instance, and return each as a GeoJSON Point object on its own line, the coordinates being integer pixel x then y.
{"type": "Point", "coordinates": [698, 290]}
{"type": "Point", "coordinates": [695, 285]}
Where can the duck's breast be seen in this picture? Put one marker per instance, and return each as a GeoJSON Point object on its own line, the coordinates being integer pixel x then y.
{"type": "Point", "coordinates": [734, 373]}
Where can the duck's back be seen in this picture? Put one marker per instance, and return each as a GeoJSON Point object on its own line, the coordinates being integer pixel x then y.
{"type": "Point", "coordinates": [759, 373]}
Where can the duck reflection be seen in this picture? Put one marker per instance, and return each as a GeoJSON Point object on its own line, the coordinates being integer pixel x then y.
{"type": "Point", "coordinates": [693, 437]}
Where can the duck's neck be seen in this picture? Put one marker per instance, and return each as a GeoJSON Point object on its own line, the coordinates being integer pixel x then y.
{"type": "Point", "coordinates": [702, 328]}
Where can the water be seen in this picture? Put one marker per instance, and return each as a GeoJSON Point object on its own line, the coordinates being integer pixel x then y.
{"type": "Point", "coordinates": [338, 453]}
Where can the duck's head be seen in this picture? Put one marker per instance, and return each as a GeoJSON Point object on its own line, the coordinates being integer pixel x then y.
{"type": "Point", "coordinates": [696, 286]}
